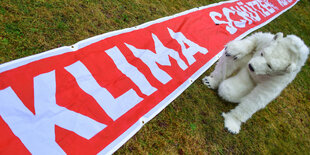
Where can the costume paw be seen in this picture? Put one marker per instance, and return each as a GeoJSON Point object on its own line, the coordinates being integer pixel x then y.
{"type": "Point", "coordinates": [234, 50]}
{"type": "Point", "coordinates": [210, 82]}
{"type": "Point", "coordinates": [231, 123]}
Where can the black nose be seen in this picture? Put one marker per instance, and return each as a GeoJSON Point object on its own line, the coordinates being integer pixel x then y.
{"type": "Point", "coordinates": [251, 68]}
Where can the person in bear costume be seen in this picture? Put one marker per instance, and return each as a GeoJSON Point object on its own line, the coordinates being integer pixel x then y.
{"type": "Point", "coordinates": [254, 71]}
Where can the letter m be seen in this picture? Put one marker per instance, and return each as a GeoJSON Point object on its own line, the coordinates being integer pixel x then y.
{"type": "Point", "coordinates": [37, 132]}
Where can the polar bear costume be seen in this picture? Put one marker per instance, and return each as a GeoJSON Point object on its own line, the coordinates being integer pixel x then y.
{"type": "Point", "coordinates": [254, 71]}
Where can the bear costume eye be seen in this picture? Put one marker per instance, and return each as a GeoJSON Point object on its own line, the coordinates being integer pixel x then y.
{"type": "Point", "coordinates": [269, 66]}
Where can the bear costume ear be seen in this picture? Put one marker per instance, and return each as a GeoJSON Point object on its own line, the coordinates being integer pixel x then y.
{"type": "Point", "coordinates": [291, 67]}
{"type": "Point", "coordinates": [295, 44]}
{"type": "Point", "coordinates": [299, 51]}
{"type": "Point", "coordinates": [279, 35]}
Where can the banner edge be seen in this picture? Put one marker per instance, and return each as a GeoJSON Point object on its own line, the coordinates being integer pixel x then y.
{"type": "Point", "coordinates": [199, 73]}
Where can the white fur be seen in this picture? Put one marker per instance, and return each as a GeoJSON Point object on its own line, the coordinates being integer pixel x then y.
{"type": "Point", "coordinates": [275, 60]}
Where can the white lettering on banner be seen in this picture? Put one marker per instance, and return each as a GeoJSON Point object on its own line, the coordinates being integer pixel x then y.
{"type": "Point", "coordinates": [260, 10]}
{"type": "Point", "coordinates": [161, 57]}
{"type": "Point", "coordinates": [230, 28]}
{"type": "Point", "coordinates": [268, 6]}
{"type": "Point", "coordinates": [37, 132]}
{"type": "Point", "coordinates": [242, 12]}
{"type": "Point", "coordinates": [253, 14]}
{"type": "Point", "coordinates": [247, 12]}
{"type": "Point", "coordinates": [284, 2]}
{"type": "Point", "coordinates": [191, 50]}
{"type": "Point", "coordinates": [130, 71]}
{"type": "Point", "coordinates": [114, 107]}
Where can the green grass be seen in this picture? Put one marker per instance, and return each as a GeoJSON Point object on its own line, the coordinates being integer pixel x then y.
{"type": "Point", "coordinates": [192, 124]}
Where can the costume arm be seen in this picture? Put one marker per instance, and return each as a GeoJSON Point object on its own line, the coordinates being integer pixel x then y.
{"type": "Point", "coordinates": [240, 48]}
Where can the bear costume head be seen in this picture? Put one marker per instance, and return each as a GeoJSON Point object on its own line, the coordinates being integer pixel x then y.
{"type": "Point", "coordinates": [282, 55]}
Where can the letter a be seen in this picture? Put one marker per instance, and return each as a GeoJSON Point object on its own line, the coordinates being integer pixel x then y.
{"type": "Point", "coordinates": [37, 132]}
{"type": "Point", "coordinates": [191, 50]}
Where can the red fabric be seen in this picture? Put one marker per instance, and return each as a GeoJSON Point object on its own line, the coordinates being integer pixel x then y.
{"type": "Point", "coordinates": [196, 26]}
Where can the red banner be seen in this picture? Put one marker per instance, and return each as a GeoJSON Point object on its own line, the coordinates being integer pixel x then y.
{"type": "Point", "coordinates": [93, 96]}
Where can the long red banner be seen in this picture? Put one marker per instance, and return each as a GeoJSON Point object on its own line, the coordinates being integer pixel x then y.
{"type": "Point", "coordinates": [93, 96]}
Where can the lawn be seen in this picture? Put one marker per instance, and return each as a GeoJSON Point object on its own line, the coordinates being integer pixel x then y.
{"type": "Point", "coordinates": [191, 124]}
